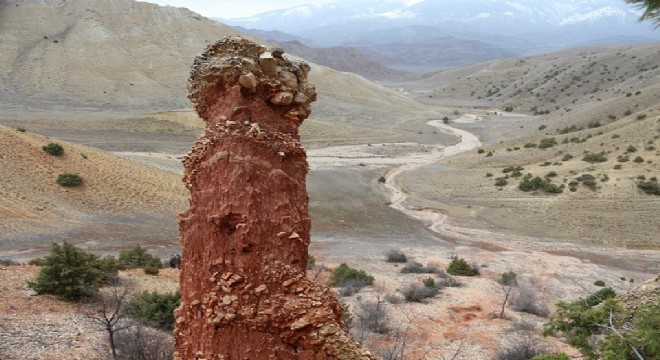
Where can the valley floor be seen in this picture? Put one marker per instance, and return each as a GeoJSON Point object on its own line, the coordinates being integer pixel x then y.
{"type": "Point", "coordinates": [366, 199]}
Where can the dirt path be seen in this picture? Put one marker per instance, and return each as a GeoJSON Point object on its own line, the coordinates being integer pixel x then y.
{"type": "Point", "coordinates": [398, 195]}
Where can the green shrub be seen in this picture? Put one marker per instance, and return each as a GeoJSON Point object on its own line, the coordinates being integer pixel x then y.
{"type": "Point", "coordinates": [500, 181]}
{"type": "Point", "coordinates": [594, 124]}
{"type": "Point", "coordinates": [481, 151]}
{"type": "Point", "coordinates": [151, 269]}
{"type": "Point", "coordinates": [459, 267]}
{"type": "Point", "coordinates": [154, 309]}
{"type": "Point", "coordinates": [641, 116]}
{"type": "Point", "coordinates": [627, 112]}
{"type": "Point", "coordinates": [512, 168]}
{"type": "Point", "coordinates": [547, 143]}
{"type": "Point", "coordinates": [650, 187]}
{"type": "Point", "coordinates": [567, 157]}
{"type": "Point", "coordinates": [631, 149]}
{"type": "Point", "coordinates": [639, 159]}
{"type": "Point", "coordinates": [568, 129]}
{"type": "Point", "coordinates": [109, 266]}
{"type": "Point", "coordinates": [537, 183]}
{"type": "Point", "coordinates": [429, 282]}
{"type": "Point", "coordinates": [599, 283]}
{"type": "Point", "coordinates": [37, 262]}
{"type": "Point", "coordinates": [137, 257]}
{"type": "Point", "coordinates": [582, 322]}
{"type": "Point", "coordinates": [343, 273]}
{"type": "Point", "coordinates": [594, 158]}
{"type": "Point", "coordinates": [20, 129]}
{"type": "Point", "coordinates": [530, 145]}
{"type": "Point", "coordinates": [599, 296]}
{"type": "Point", "coordinates": [54, 149]}
{"type": "Point", "coordinates": [490, 153]}
{"type": "Point", "coordinates": [68, 272]}
{"type": "Point", "coordinates": [489, 174]}
{"type": "Point", "coordinates": [69, 179]}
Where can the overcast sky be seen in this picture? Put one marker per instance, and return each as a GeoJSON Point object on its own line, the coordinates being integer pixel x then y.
{"type": "Point", "coordinates": [229, 9]}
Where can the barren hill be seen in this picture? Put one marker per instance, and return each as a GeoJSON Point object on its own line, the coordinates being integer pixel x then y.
{"type": "Point", "coordinates": [118, 54]}
{"type": "Point", "coordinates": [116, 195]}
{"type": "Point", "coordinates": [343, 59]}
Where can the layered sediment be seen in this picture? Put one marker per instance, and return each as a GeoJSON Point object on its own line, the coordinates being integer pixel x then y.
{"type": "Point", "coordinates": [244, 291]}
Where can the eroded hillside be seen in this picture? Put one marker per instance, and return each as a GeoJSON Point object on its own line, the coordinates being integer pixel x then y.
{"type": "Point", "coordinates": [117, 54]}
{"type": "Point", "coordinates": [116, 195]}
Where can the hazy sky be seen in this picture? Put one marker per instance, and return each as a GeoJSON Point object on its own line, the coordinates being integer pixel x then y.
{"type": "Point", "coordinates": [229, 9]}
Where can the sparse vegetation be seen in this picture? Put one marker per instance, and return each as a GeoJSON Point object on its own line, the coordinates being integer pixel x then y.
{"type": "Point", "coordinates": [500, 181]}
{"type": "Point", "coordinates": [413, 267]}
{"type": "Point", "coordinates": [372, 316]}
{"type": "Point", "coordinates": [526, 301]}
{"type": "Point", "coordinates": [547, 143]}
{"type": "Point", "coordinates": [507, 281]}
{"type": "Point", "coordinates": [416, 292]}
{"type": "Point", "coordinates": [396, 256]}
{"type": "Point", "coordinates": [68, 272]}
{"type": "Point", "coordinates": [523, 348]}
{"type": "Point", "coordinates": [512, 168]}
{"type": "Point", "coordinates": [594, 158]}
{"type": "Point", "coordinates": [137, 257]}
{"type": "Point", "coordinates": [448, 280]}
{"type": "Point", "coordinates": [600, 283]}
{"type": "Point", "coordinates": [530, 184]}
{"type": "Point", "coordinates": [650, 187]}
{"type": "Point", "coordinates": [600, 327]}
{"type": "Point", "coordinates": [459, 267]}
{"type": "Point", "coordinates": [69, 179]}
{"type": "Point", "coordinates": [54, 149]}
{"type": "Point", "coordinates": [343, 274]}
{"type": "Point", "coordinates": [154, 309]}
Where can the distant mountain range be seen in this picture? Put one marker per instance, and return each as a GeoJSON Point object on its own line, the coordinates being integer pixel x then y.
{"type": "Point", "coordinates": [505, 28]}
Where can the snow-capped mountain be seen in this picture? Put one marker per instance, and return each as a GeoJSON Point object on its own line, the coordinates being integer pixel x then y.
{"type": "Point", "coordinates": [423, 35]}
{"type": "Point", "coordinates": [348, 22]}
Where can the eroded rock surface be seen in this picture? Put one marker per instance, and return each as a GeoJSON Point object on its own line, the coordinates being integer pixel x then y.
{"type": "Point", "coordinates": [244, 294]}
